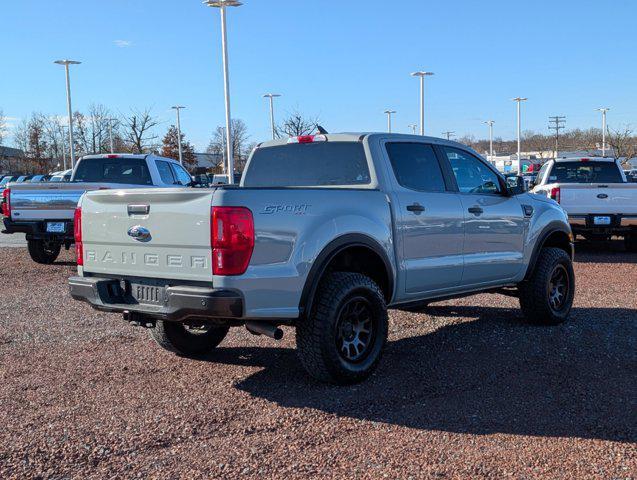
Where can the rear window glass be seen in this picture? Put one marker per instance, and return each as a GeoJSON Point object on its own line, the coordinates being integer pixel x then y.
{"type": "Point", "coordinates": [308, 164]}
{"type": "Point", "coordinates": [585, 172]}
{"type": "Point", "coordinates": [129, 171]}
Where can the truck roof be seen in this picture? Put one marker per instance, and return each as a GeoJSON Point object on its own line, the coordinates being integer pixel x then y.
{"type": "Point", "coordinates": [141, 156]}
{"type": "Point", "coordinates": [584, 159]}
{"type": "Point", "coordinates": [358, 136]}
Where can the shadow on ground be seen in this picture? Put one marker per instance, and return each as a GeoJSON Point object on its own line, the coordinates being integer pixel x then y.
{"type": "Point", "coordinates": [612, 251]}
{"type": "Point", "coordinates": [494, 374]}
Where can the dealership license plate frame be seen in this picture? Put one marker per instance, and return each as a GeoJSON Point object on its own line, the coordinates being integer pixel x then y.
{"type": "Point", "coordinates": [55, 227]}
{"type": "Point", "coordinates": [602, 220]}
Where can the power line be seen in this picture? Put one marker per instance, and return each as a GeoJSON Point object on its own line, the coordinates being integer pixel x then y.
{"type": "Point", "coordinates": [449, 134]}
{"type": "Point", "coordinates": [557, 123]}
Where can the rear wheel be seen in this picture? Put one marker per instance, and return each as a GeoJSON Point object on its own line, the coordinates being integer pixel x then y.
{"type": "Point", "coordinates": [189, 341]}
{"type": "Point", "coordinates": [43, 252]}
{"type": "Point", "coordinates": [343, 338]}
{"type": "Point", "coordinates": [547, 297]}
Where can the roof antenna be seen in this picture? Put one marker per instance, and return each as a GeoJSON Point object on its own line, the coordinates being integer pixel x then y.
{"type": "Point", "coordinates": [321, 130]}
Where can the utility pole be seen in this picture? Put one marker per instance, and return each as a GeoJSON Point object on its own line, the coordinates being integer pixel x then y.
{"type": "Point", "coordinates": [110, 134]}
{"type": "Point", "coordinates": [413, 127]}
{"type": "Point", "coordinates": [272, 96]}
{"type": "Point", "coordinates": [490, 123]}
{"type": "Point", "coordinates": [181, 155]}
{"type": "Point", "coordinates": [603, 110]}
{"type": "Point", "coordinates": [519, 100]}
{"type": "Point", "coordinates": [557, 123]}
{"type": "Point", "coordinates": [448, 134]}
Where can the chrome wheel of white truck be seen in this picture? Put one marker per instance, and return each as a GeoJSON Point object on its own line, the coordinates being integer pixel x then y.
{"type": "Point", "coordinates": [188, 340]}
{"type": "Point", "coordinates": [342, 340]}
{"type": "Point", "coordinates": [43, 252]}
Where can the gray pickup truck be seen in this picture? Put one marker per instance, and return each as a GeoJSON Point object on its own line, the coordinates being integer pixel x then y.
{"type": "Point", "coordinates": [44, 211]}
{"type": "Point", "coordinates": [324, 234]}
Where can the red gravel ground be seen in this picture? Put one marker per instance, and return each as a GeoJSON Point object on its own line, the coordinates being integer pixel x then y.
{"type": "Point", "coordinates": [466, 390]}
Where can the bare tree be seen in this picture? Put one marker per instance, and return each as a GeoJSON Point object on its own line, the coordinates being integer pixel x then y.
{"type": "Point", "coordinates": [239, 143]}
{"type": "Point", "coordinates": [623, 142]}
{"type": "Point", "coordinates": [138, 131]}
{"type": "Point", "coordinates": [295, 124]}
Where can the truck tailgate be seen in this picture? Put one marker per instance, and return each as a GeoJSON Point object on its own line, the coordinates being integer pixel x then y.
{"type": "Point", "coordinates": [46, 201]}
{"type": "Point", "coordinates": [177, 221]}
{"type": "Point", "coordinates": [586, 198]}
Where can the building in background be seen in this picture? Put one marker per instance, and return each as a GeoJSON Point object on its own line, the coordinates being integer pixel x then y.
{"type": "Point", "coordinates": [10, 159]}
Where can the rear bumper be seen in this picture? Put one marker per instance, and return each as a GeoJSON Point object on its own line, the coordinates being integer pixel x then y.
{"type": "Point", "coordinates": [36, 230]}
{"type": "Point", "coordinates": [619, 223]}
{"type": "Point", "coordinates": [174, 303]}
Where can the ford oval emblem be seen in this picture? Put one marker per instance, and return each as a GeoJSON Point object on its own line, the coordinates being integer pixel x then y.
{"type": "Point", "coordinates": [139, 233]}
{"type": "Point", "coordinates": [602, 195]}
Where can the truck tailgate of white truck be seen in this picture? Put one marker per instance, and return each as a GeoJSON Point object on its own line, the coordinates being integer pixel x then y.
{"type": "Point", "coordinates": [586, 198]}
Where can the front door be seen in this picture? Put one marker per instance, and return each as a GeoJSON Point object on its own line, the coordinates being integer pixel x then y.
{"type": "Point", "coordinates": [494, 222]}
{"type": "Point", "coordinates": [429, 220]}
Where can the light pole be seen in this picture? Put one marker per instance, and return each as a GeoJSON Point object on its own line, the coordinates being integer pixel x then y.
{"type": "Point", "coordinates": [272, 96]}
{"type": "Point", "coordinates": [110, 134]}
{"type": "Point", "coordinates": [177, 108]}
{"type": "Point", "coordinates": [519, 100]}
{"type": "Point", "coordinates": [221, 5]}
{"type": "Point", "coordinates": [448, 134]}
{"type": "Point", "coordinates": [63, 146]}
{"type": "Point", "coordinates": [490, 123]}
{"type": "Point", "coordinates": [413, 127]}
{"type": "Point", "coordinates": [66, 64]}
{"type": "Point", "coordinates": [389, 114]}
{"type": "Point", "coordinates": [422, 76]}
{"type": "Point", "coordinates": [603, 110]}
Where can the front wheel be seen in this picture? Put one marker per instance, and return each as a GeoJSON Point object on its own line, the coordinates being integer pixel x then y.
{"type": "Point", "coordinates": [44, 252]}
{"type": "Point", "coordinates": [547, 296]}
{"type": "Point", "coordinates": [189, 341]}
{"type": "Point", "coordinates": [343, 338]}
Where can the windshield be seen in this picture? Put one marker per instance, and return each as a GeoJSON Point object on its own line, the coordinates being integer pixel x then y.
{"type": "Point", "coordinates": [585, 172]}
{"type": "Point", "coordinates": [129, 171]}
{"type": "Point", "coordinates": [308, 164]}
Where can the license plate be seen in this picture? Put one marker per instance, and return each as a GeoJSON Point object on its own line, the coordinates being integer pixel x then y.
{"type": "Point", "coordinates": [55, 227]}
{"type": "Point", "coordinates": [601, 220]}
{"type": "Point", "coordinates": [148, 294]}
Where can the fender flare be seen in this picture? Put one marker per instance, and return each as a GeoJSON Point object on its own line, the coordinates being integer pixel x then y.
{"type": "Point", "coordinates": [329, 252]}
{"type": "Point", "coordinates": [549, 230]}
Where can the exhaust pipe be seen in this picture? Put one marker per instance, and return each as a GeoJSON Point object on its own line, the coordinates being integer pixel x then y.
{"type": "Point", "coordinates": [264, 328]}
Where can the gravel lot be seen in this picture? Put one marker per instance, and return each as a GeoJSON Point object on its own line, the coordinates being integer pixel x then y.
{"type": "Point", "coordinates": [465, 390]}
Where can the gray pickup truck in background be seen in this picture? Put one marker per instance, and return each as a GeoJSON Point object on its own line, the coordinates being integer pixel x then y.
{"type": "Point", "coordinates": [324, 234]}
{"type": "Point", "coordinates": [44, 211]}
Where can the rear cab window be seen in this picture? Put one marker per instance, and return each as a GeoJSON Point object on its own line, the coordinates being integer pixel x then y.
{"type": "Point", "coordinates": [127, 171]}
{"type": "Point", "coordinates": [585, 172]}
{"type": "Point", "coordinates": [416, 166]}
{"type": "Point", "coordinates": [165, 172]}
{"type": "Point", "coordinates": [308, 165]}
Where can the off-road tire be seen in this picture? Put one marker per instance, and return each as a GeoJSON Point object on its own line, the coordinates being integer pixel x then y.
{"type": "Point", "coordinates": [317, 336]}
{"type": "Point", "coordinates": [630, 241]}
{"type": "Point", "coordinates": [43, 252]}
{"type": "Point", "coordinates": [176, 338]}
{"type": "Point", "coordinates": [534, 293]}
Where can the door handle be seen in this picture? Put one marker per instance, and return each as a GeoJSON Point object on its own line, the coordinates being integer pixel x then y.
{"type": "Point", "coordinates": [416, 208]}
{"type": "Point", "coordinates": [476, 210]}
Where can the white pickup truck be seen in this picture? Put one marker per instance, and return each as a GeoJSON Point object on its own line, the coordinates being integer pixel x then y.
{"type": "Point", "coordinates": [598, 199]}
{"type": "Point", "coordinates": [44, 211]}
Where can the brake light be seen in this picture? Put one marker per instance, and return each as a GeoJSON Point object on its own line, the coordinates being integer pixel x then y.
{"type": "Point", "coordinates": [232, 240]}
{"type": "Point", "coordinates": [584, 159]}
{"type": "Point", "coordinates": [6, 202]}
{"type": "Point", "coordinates": [112, 156]}
{"type": "Point", "coordinates": [307, 139]}
{"type": "Point", "coordinates": [77, 233]}
{"type": "Point", "coordinates": [556, 194]}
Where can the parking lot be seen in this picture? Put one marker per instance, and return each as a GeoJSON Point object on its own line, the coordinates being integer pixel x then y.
{"type": "Point", "coordinates": [466, 390]}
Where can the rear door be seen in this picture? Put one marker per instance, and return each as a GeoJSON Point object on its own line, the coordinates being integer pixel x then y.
{"type": "Point", "coordinates": [429, 219]}
{"type": "Point", "coordinates": [494, 222]}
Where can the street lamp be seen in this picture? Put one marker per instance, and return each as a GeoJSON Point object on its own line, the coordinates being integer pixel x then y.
{"type": "Point", "coordinates": [603, 110]}
{"type": "Point", "coordinates": [519, 100]}
{"type": "Point", "coordinates": [62, 127]}
{"type": "Point", "coordinates": [413, 127]}
{"type": "Point", "coordinates": [272, 96]}
{"type": "Point", "coordinates": [221, 5]}
{"type": "Point", "coordinates": [422, 76]}
{"type": "Point", "coordinates": [389, 114]}
{"type": "Point", "coordinates": [490, 123]}
{"type": "Point", "coordinates": [66, 64]}
{"type": "Point", "coordinates": [177, 108]}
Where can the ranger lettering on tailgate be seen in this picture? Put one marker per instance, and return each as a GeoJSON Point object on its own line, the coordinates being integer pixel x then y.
{"type": "Point", "coordinates": [147, 259]}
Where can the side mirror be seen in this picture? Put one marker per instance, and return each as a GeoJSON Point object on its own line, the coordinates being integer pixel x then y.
{"type": "Point", "coordinates": [516, 186]}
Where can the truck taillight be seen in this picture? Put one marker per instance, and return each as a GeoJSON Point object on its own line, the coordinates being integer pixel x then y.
{"type": "Point", "coordinates": [232, 239]}
{"type": "Point", "coordinates": [6, 202]}
{"type": "Point", "coordinates": [77, 233]}
{"type": "Point", "coordinates": [556, 194]}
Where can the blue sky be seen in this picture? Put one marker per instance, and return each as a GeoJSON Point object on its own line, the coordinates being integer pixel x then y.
{"type": "Point", "coordinates": [345, 61]}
